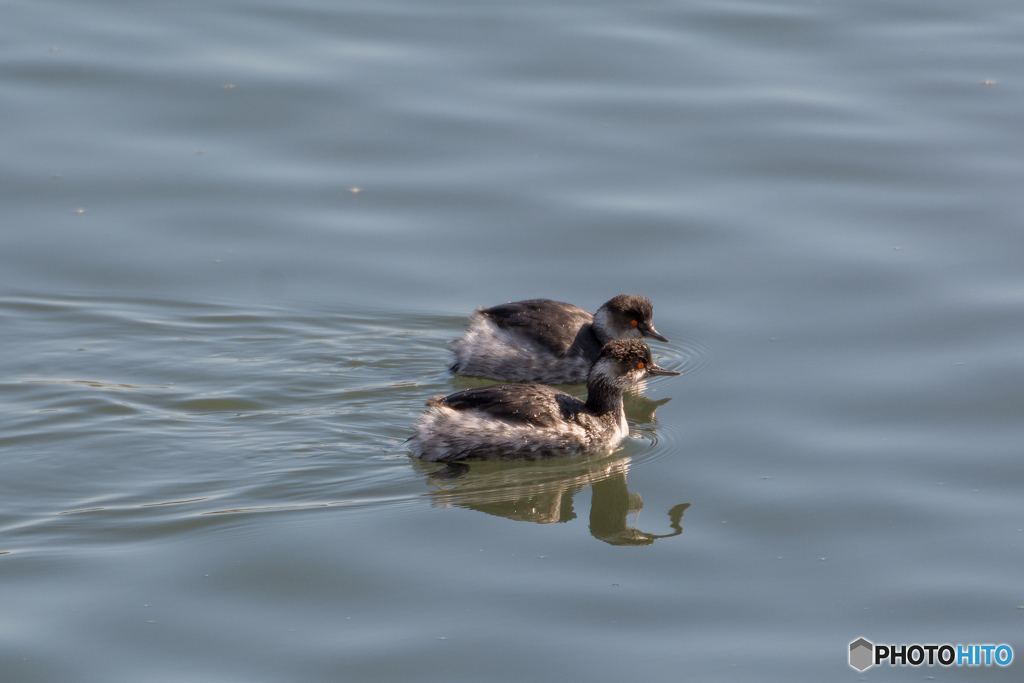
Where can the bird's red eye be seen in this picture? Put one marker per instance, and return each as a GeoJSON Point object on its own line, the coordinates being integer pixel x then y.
{"type": "Point", "coordinates": [634, 322]}
{"type": "Point", "coordinates": [640, 365]}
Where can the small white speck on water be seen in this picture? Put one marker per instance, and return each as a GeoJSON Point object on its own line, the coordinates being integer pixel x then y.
{"type": "Point", "coordinates": [217, 261]}
{"type": "Point", "coordinates": [79, 211]}
{"type": "Point", "coordinates": [895, 248]}
{"type": "Point", "coordinates": [229, 86]}
{"type": "Point", "coordinates": [988, 82]}
{"type": "Point", "coordinates": [822, 559]}
{"type": "Point", "coordinates": [355, 190]}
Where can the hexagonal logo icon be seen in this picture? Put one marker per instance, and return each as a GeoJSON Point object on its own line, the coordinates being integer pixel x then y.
{"type": "Point", "coordinates": [861, 654]}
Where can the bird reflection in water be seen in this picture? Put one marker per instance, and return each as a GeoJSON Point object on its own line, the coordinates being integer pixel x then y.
{"type": "Point", "coordinates": [542, 491]}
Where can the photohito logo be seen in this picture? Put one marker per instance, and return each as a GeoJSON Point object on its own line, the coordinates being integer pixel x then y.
{"type": "Point", "coordinates": [863, 654]}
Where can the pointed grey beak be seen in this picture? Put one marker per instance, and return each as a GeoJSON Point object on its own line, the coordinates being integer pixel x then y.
{"type": "Point", "coordinates": [655, 369]}
{"type": "Point", "coordinates": [649, 331]}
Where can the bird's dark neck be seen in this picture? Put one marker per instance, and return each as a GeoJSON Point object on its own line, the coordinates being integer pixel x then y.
{"type": "Point", "coordinates": [603, 397]}
{"type": "Point", "coordinates": [587, 343]}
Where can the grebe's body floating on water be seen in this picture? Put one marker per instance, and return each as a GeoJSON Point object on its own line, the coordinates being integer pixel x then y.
{"type": "Point", "coordinates": [540, 340]}
{"type": "Point", "coordinates": [535, 420]}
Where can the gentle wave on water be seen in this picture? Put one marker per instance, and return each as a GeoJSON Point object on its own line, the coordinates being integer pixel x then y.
{"type": "Point", "coordinates": [689, 354]}
{"type": "Point", "coordinates": [300, 409]}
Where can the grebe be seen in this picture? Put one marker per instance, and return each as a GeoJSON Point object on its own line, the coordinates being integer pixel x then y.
{"type": "Point", "coordinates": [535, 420]}
{"type": "Point", "coordinates": [540, 340]}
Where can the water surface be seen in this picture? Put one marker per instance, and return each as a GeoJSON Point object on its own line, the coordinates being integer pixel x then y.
{"type": "Point", "coordinates": [236, 236]}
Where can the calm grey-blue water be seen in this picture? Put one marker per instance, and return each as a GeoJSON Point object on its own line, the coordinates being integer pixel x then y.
{"type": "Point", "coordinates": [237, 235]}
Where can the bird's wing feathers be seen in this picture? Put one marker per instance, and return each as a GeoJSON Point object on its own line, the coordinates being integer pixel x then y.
{"type": "Point", "coordinates": [535, 404]}
{"type": "Point", "coordinates": [551, 324]}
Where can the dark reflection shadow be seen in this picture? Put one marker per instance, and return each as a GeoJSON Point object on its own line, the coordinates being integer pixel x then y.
{"type": "Point", "coordinates": [641, 409]}
{"type": "Point", "coordinates": [542, 492]}
{"type": "Point", "coordinates": [610, 506]}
